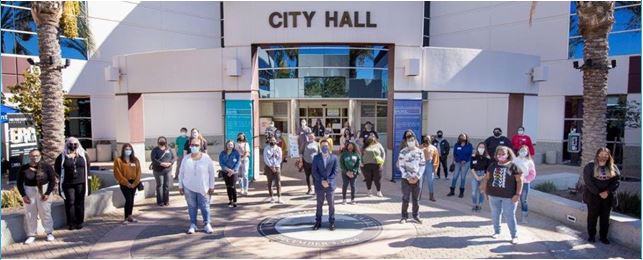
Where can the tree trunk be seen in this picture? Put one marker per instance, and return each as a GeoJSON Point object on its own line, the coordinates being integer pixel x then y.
{"type": "Point", "coordinates": [595, 21]}
{"type": "Point", "coordinates": [47, 17]}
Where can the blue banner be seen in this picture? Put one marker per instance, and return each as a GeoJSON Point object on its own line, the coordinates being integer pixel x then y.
{"type": "Point", "coordinates": [238, 119]}
{"type": "Point", "coordinates": [407, 114]}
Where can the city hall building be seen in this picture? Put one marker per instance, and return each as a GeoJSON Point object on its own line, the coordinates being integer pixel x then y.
{"type": "Point", "coordinates": [229, 67]}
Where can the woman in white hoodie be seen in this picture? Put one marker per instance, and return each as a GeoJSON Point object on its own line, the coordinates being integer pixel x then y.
{"type": "Point", "coordinates": [528, 168]}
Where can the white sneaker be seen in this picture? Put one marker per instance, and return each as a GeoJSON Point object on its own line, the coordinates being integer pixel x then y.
{"type": "Point", "coordinates": [192, 229]}
{"type": "Point", "coordinates": [495, 236]}
{"type": "Point", "coordinates": [208, 229]}
{"type": "Point", "coordinates": [132, 220]}
{"type": "Point", "coordinates": [125, 222]}
{"type": "Point", "coordinates": [353, 202]}
{"type": "Point", "coordinates": [379, 194]}
{"type": "Point", "coordinates": [272, 199]}
{"type": "Point", "coordinates": [343, 202]}
{"type": "Point", "coordinates": [279, 200]}
{"type": "Point", "coordinates": [50, 237]}
{"type": "Point", "coordinates": [370, 193]}
{"type": "Point", "coordinates": [514, 240]}
{"type": "Point", "coordinates": [30, 240]}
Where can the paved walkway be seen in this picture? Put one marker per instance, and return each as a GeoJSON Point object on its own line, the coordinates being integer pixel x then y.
{"type": "Point", "coordinates": [450, 230]}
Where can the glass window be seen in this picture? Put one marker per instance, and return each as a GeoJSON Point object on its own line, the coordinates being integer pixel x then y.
{"type": "Point", "coordinates": [368, 110]}
{"type": "Point", "coordinates": [8, 42]}
{"type": "Point", "coordinates": [78, 127]}
{"type": "Point", "coordinates": [27, 44]}
{"type": "Point", "coordinates": [80, 107]}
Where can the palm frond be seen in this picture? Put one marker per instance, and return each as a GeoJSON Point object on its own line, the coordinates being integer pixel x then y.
{"type": "Point", "coordinates": [532, 12]}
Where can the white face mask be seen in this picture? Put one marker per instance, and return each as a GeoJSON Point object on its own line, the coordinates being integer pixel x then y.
{"type": "Point", "coordinates": [521, 132]}
{"type": "Point", "coordinates": [522, 153]}
{"type": "Point", "coordinates": [481, 150]}
{"type": "Point", "coordinates": [410, 144]}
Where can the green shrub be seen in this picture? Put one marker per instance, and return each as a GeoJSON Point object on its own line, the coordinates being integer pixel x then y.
{"type": "Point", "coordinates": [11, 198]}
{"type": "Point", "coordinates": [548, 187]}
{"type": "Point", "coordinates": [94, 184]}
{"type": "Point", "coordinates": [629, 204]}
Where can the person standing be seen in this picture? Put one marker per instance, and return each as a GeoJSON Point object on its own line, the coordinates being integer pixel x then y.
{"type": "Point", "coordinates": [504, 187]}
{"type": "Point", "coordinates": [444, 148]}
{"type": "Point", "coordinates": [319, 130]}
{"type": "Point", "coordinates": [407, 134]}
{"type": "Point", "coordinates": [196, 134]}
{"type": "Point", "coordinates": [374, 157]}
{"type": "Point", "coordinates": [347, 135]}
{"type": "Point", "coordinates": [349, 163]}
{"type": "Point", "coordinates": [162, 161]}
{"type": "Point", "coordinates": [520, 139]}
{"type": "Point", "coordinates": [367, 132]}
{"type": "Point", "coordinates": [311, 149]}
{"type": "Point", "coordinates": [281, 142]}
{"type": "Point", "coordinates": [303, 132]}
{"type": "Point", "coordinates": [479, 165]}
{"type": "Point", "coordinates": [432, 157]}
{"type": "Point", "coordinates": [496, 140]}
{"type": "Point", "coordinates": [73, 168]}
{"type": "Point", "coordinates": [180, 144]}
{"type": "Point", "coordinates": [411, 163]}
{"type": "Point", "coordinates": [462, 152]}
{"type": "Point", "coordinates": [329, 138]}
{"type": "Point", "coordinates": [243, 148]}
{"type": "Point", "coordinates": [528, 169]}
{"type": "Point", "coordinates": [196, 182]}
{"type": "Point", "coordinates": [272, 157]}
{"type": "Point", "coordinates": [36, 181]}
{"type": "Point", "coordinates": [230, 162]}
{"type": "Point", "coordinates": [127, 171]}
{"type": "Point", "coordinates": [601, 178]}
{"type": "Point", "coordinates": [325, 167]}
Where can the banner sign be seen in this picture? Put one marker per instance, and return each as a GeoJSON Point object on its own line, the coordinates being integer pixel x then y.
{"type": "Point", "coordinates": [407, 114]}
{"type": "Point", "coordinates": [22, 139]}
{"type": "Point", "coordinates": [238, 119]}
{"type": "Point", "coordinates": [573, 142]}
{"type": "Point", "coordinates": [293, 146]}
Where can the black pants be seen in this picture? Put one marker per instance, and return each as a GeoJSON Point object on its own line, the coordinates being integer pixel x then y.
{"type": "Point", "coordinates": [444, 166]}
{"type": "Point", "coordinates": [325, 194]}
{"type": "Point", "coordinates": [410, 192]}
{"type": "Point", "coordinates": [163, 182]}
{"type": "Point", "coordinates": [373, 173]}
{"type": "Point", "coordinates": [230, 182]}
{"type": "Point", "coordinates": [598, 208]}
{"type": "Point", "coordinates": [308, 169]}
{"type": "Point", "coordinates": [129, 194]}
{"type": "Point", "coordinates": [348, 181]}
{"type": "Point", "coordinates": [74, 203]}
{"type": "Point", "coordinates": [273, 177]}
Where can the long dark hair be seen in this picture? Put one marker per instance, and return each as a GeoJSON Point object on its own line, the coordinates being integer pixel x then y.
{"type": "Point", "coordinates": [239, 135]}
{"type": "Point", "coordinates": [132, 158]}
{"type": "Point", "coordinates": [485, 154]}
{"type": "Point", "coordinates": [355, 148]}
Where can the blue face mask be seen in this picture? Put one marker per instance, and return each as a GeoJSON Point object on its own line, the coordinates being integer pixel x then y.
{"type": "Point", "coordinates": [324, 149]}
{"type": "Point", "coordinates": [128, 153]}
{"type": "Point", "coordinates": [194, 149]}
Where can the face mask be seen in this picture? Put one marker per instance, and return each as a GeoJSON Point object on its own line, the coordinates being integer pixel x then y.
{"type": "Point", "coordinates": [324, 149]}
{"type": "Point", "coordinates": [303, 123]}
{"type": "Point", "coordinates": [162, 143]}
{"type": "Point", "coordinates": [272, 143]}
{"type": "Point", "coordinates": [195, 134]}
{"type": "Point", "coordinates": [521, 132]}
{"type": "Point", "coordinates": [128, 152]}
{"type": "Point", "coordinates": [439, 135]}
{"type": "Point", "coordinates": [522, 153]}
{"type": "Point", "coordinates": [410, 144]}
{"type": "Point", "coordinates": [36, 160]}
{"type": "Point", "coordinates": [72, 147]}
{"type": "Point", "coordinates": [481, 150]}
{"type": "Point", "coordinates": [496, 134]}
{"type": "Point", "coordinates": [502, 158]}
{"type": "Point", "coordinates": [194, 149]}
{"type": "Point", "coordinates": [184, 133]}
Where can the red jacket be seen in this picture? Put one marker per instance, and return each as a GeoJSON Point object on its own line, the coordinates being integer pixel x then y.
{"type": "Point", "coordinates": [518, 141]}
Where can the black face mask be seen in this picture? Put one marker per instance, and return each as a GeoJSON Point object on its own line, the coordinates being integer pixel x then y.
{"type": "Point", "coordinates": [440, 135]}
{"type": "Point", "coordinates": [497, 134]}
{"type": "Point", "coordinates": [272, 143]}
{"type": "Point", "coordinates": [72, 147]}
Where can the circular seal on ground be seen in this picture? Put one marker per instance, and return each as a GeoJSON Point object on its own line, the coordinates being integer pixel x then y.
{"type": "Point", "coordinates": [295, 229]}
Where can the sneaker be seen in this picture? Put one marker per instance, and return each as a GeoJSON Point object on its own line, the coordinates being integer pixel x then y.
{"type": "Point", "coordinates": [279, 200]}
{"type": "Point", "coordinates": [514, 240]}
{"type": "Point", "coordinates": [475, 208]}
{"type": "Point", "coordinates": [403, 221]}
{"type": "Point", "coordinates": [229, 204]}
{"type": "Point", "coordinates": [192, 229]}
{"type": "Point", "coordinates": [30, 240]}
{"type": "Point", "coordinates": [234, 205]}
{"type": "Point", "coordinates": [379, 194]}
{"type": "Point", "coordinates": [132, 220]}
{"type": "Point", "coordinates": [125, 222]}
{"type": "Point", "coordinates": [344, 202]}
{"type": "Point", "coordinates": [417, 220]}
{"type": "Point", "coordinates": [605, 241]}
{"type": "Point", "coordinates": [495, 236]}
{"type": "Point", "coordinates": [370, 193]}
{"type": "Point", "coordinates": [208, 229]}
{"type": "Point", "coordinates": [353, 202]}
{"type": "Point", "coordinates": [272, 199]}
{"type": "Point", "coordinates": [50, 237]}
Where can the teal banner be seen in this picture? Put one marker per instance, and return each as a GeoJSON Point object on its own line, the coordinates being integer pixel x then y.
{"type": "Point", "coordinates": [238, 119]}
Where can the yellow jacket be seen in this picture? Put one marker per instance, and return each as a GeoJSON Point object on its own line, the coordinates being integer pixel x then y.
{"type": "Point", "coordinates": [432, 152]}
{"type": "Point", "coordinates": [124, 172]}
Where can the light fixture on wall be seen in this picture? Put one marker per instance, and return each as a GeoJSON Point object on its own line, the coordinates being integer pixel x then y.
{"type": "Point", "coordinates": [50, 61]}
{"type": "Point", "coordinates": [589, 64]}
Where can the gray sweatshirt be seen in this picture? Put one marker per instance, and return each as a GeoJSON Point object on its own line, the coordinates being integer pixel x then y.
{"type": "Point", "coordinates": [310, 150]}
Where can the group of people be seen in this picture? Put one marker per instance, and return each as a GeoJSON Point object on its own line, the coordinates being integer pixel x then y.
{"type": "Point", "coordinates": [497, 173]}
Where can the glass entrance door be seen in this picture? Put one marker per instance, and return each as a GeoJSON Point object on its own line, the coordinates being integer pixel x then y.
{"type": "Point", "coordinates": [331, 117]}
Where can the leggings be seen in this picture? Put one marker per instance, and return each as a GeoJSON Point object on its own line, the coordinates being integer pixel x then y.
{"type": "Point", "coordinates": [373, 173]}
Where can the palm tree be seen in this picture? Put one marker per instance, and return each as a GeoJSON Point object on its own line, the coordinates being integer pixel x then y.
{"type": "Point", "coordinates": [49, 16]}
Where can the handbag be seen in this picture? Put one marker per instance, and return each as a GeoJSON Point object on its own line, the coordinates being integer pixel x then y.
{"type": "Point", "coordinates": [452, 167]}
{"type": "Point", "coordinates": [140, 186]}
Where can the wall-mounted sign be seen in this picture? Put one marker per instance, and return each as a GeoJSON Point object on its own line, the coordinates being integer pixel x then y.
{"type": "Point", "coordinates": [334, 19]}
{"type": "Point", "coordinates": [573, 142]}
{"type": "Point", "coordinates": [407, 115]}
{"type": "Point", "coordinates": [238, 119]}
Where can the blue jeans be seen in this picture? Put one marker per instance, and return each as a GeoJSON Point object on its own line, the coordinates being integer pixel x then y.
{"type": "Point", "coordinates": [461, 170]}
{"type": "Point", "coordinates": [197, 201]}
{"type": "Point", "coordinates": [427, 176]}
{"type": "Point", "coordinates": [476, 196]}
{"type": "Point", "coordinates": [523, 197]}
{"type": "Point", "coordinates": [243, 174]}
{"type": "Point", "coordinates": [503, 206]}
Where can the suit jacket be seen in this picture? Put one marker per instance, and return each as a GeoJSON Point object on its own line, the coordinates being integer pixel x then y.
{"type": "Point", "coordinates": [325, 172]}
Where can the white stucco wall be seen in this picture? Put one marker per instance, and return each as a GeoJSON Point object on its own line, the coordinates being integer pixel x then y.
{"type": "Point", "coordinates": [166, 113]}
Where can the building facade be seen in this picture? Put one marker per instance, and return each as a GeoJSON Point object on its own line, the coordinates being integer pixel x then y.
{"type": "Point", "coordinates": [226, 67]}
